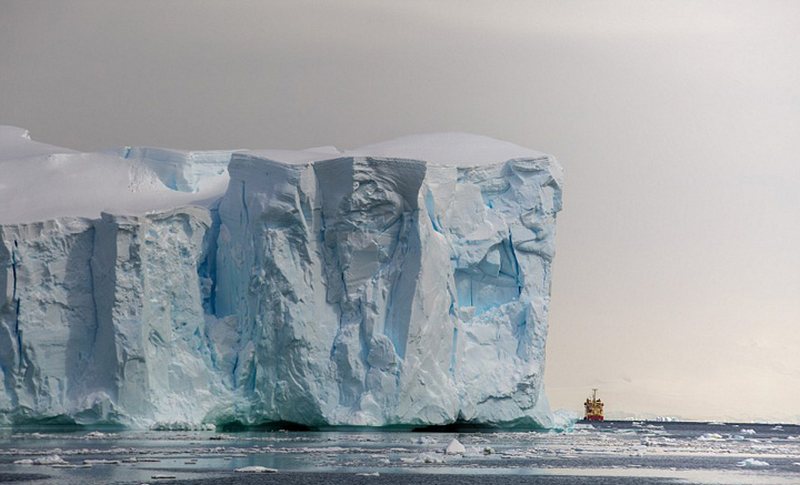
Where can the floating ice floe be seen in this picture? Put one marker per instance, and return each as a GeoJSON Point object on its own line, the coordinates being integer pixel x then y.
{"type": "Point", "coordinates": [42, 460]}
{"type": "Point", "coordinates": [711, 437]}
{"type": "Point", "coordinates": [255, 469]}
{"type": "Point", "coordinates": [455, 448]}
{"type": "Point", "coordinates": [752, 463]}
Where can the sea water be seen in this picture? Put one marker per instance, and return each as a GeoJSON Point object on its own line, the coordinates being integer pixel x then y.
{"type": "Point", "coordinates": [598, 453]}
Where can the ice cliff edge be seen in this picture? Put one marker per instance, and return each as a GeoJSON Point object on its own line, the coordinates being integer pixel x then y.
{"type": "Point", "coordinates": [401, 283]}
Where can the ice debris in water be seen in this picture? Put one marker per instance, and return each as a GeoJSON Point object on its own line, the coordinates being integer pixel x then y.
{"type": "Point", "coordinates": [255, 469]}
{"type": "Point", "coordinates": [405, 282]}
{"type": "Point", "coordinates": [752, 463]}
{"type": "Point", "coordinates": [182, 426]}
{"type": "Point", "coordinates": [42, 460]}
{"type": "Point", "coordinates": [455, 448]}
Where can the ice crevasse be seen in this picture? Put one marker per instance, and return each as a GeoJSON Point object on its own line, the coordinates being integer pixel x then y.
{"type": "Point", "coordinates": [401, 283]}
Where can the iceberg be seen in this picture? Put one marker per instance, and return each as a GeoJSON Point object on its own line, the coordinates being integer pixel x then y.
{"type": "Point", "coordinates": [404, 283]}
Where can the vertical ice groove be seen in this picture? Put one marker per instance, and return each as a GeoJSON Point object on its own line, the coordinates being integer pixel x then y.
{"type": "Point", "coordinates": [207, 270]}
{"type": "Point", "coordinates": [14, 271]}
{"type": "Point", "coordinates": [17, 302]}
{"type": "Point", "coordinates": [18, 332]}
{"type": "Point", "coordinates": [517, 272]}
{"type": "Point", "coordinates": [92, 287]}
{"type": "Point", "coordinates": [245, 211]}
{"type": "Point", "coordinates": [453, 352]}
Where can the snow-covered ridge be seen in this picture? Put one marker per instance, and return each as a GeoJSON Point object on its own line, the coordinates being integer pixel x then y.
{"type": "Point", "coordinates": [405, 282]}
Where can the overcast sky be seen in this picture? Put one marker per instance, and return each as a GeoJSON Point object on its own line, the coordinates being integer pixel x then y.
{"type": "Point", "coordinates": [677, 279]}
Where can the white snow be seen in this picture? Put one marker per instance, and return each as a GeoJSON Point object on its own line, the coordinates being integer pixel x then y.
{"type": "Point", "coordinates": [16, 143]}
{"type": "Point", "coordinates": [405, 282]}
{"type": "Point", "coordinates": [38, 184]}
{"type": "Point", "coordinates": [458, 149]}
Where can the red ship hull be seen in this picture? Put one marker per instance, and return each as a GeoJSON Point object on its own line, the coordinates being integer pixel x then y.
{"type": "Point", "coordinates": [594, 417]}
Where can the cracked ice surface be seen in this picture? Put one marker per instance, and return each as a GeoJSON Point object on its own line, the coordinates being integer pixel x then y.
{"type": "Point", "coordinates": [404, 283]}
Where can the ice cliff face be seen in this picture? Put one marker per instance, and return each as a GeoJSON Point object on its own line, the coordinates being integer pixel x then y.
{"type": "Point", "coordinates": [404, 283]}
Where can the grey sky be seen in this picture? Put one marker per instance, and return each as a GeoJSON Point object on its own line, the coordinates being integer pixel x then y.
{"type": "Point", "coordinates": [677, 280]}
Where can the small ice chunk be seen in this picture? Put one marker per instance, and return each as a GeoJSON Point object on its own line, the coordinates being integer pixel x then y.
{"type": "Point", "coordinates": [455, 448]}
{"type": "Point", "coordinates": [50, 460]}
{"type": "Point", "coordinates": [255, 469]}
{"type": "Point", "coordinates": [752, 463]}
{"type": "Point", "coordinates": [711, 437]}
{"type": "Point", "coordinates": [43, 460]}
{"type": "Point", "coordinates": [748, 431]}
{"type": "Point", "coordinates": [428, 459]}
{"type": "Point", "coordinates": [101, 461]}
{"type": "Point", "coordinates": [373, 474]}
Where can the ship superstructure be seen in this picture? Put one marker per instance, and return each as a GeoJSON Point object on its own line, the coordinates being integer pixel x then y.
{"type": "Point", "coordinates": [593, 408]}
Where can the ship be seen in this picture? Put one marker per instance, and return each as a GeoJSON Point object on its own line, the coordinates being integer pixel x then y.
{"type": "Point", "coordinates": [594, 408]}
